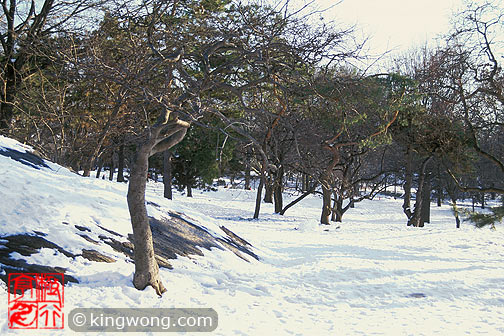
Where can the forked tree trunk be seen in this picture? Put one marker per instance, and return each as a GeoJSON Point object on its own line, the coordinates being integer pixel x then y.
{"type": "Point", "coordinates": [146, 266]}
{"type": "Point", "coordinates": [167, 175]}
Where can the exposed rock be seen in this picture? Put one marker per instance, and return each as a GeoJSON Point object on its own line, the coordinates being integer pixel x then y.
{"type": "Point", "coordinates": [82, 228]}
{"type": "Point", "coordinates": [94, 255]}
{"type": "Point", "coordinates": [27, 245]}
{"type": "Point", "coordinates": [89, 239]}
{"type": "Point", "coordinates": [110, 231]}
{"type": "Point", "coordinates": [172, 236]}
{"type": "Point", "coordinates": [417, 295]}
{"type": "Point", "coordinates": [27, 158]}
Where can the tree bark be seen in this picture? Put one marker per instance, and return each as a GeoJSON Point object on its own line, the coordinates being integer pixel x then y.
{"type": "Point", "coordinates": [167, 175]}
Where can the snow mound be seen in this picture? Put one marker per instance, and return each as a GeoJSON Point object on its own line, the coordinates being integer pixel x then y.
{"type": "Point", "coordinates": [52, 220]}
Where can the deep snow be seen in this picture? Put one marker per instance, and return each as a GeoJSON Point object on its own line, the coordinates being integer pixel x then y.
{"type": "Point", "coordinates": [372, 275]}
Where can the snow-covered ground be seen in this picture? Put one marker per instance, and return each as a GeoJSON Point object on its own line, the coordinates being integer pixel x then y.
{"type": "Point", "coordinates": [371, 276]}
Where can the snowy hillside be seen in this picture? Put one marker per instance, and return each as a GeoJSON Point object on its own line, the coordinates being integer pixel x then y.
{"type": "Point", "coordinates": [372, 275]}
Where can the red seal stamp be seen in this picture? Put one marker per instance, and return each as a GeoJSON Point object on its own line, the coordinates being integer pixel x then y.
{"type": "Point", "coordinates": [36, 300]}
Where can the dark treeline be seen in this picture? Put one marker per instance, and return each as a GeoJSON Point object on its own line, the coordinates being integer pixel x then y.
{"type": "Point", "coordinates": [198, 90]}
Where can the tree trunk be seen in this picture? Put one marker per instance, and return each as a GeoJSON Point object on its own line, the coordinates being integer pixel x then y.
{"type": "Point", "coordinates": [416, 219]}
{"type": "Point", "coordinates": [337, 210]}
{"type": "Point", "coordinates": [453, 193]}
{"type": "Point", "coordinates": [75, 165]}
{"type": "Point", "coordinates": [439, 189]}
{"type": "Point", "coordinates": [120, 164]}
{"type": "Point", "coordinates": [112, 168]}
{"type": "Point", "coordinates": [247, 175]}
{"type": "Point", "coordinates": [408, 181]}
{"type": "Point", "coordinates": [426, 199]}
{"type": "Point", "coordinates": [258, 196]}
{"type": "Point", "coordinates": [167, 175]}
{"type": "Point", "coordinates": [278, 189]}
{"type": "Point", "coordinates": [456, 214]}
{"type": "Point", "coordinates": [326, 204]}
{"type": "Point", "coordinates": [146, 267]}
{"type": "Point", "coordinates": [189, 189]}
{"type": "Point", "coordinates": [333, 209]}
{"type": "Point", "coordinates": [99, 169]}
{"type": "Point", "coordinates": [268, 195]}
{"type": "Point", "coordinates": [8, 95]}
